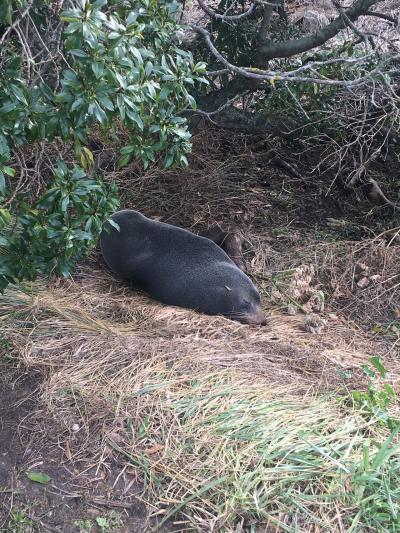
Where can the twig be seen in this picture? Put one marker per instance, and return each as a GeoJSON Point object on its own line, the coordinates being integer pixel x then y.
{"type": "Point", "coordinates": [272, 76]}
{"type": "Point", "coordinates": [383, 16]}
{"type": "Point", "coordinates": [226, 18]}
{"type": "Point", "coordinates": [16, 22]}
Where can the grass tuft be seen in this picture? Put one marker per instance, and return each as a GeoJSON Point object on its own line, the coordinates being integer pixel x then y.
{"type": "Point", "coordinates": [229, 427]}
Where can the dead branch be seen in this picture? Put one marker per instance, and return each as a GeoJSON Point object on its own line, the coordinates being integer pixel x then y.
{"type": "Point", "coordinates": [16, 22]}
{"type": "Point", "coordinates": [273, 75]}
{"type": "Point", "coordinates": [383, 16]}
{"type": "Point", "coordinates": [226, 18]}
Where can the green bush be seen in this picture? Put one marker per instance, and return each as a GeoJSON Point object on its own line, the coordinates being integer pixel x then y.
{"type": "Point", "coordinates": [115, 64]}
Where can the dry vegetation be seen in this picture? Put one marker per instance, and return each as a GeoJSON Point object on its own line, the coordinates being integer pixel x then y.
{"type": "Point", "coordinates": [228, 427]}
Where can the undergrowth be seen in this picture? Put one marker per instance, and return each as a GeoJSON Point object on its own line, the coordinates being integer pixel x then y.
{"type": "Point", "coordinates": [229, 428]}
{"type": "Point", "coordinates": [218, 448]}
{"type": "Point", "coordinates": [240, 457]}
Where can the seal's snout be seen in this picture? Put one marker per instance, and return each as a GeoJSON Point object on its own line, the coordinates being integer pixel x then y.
{"type": "Point", "coordinates": [255, 319]}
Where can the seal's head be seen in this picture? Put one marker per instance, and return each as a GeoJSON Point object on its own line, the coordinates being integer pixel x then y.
{"type": "Point", "coordinates": [241, 302]}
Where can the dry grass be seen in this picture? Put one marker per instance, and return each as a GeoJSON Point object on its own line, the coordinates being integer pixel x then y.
{"type": "Point", "coordinates": [226, 425]}
{"type": "Point", "coordinates": [231, 181]}
{"type": "Point", "coordinates": [230, 427]}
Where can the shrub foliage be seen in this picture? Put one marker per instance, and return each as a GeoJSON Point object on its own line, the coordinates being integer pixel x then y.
{"type": "Point", "coordinates": [115, 65]}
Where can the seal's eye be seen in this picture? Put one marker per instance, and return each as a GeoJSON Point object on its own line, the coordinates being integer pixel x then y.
{"type": "Point", "coordinates": [246, 304]}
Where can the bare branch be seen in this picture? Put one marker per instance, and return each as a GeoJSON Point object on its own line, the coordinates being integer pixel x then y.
{"type": "Point", "coordinates": [227, 18]}
{"type": "Point", "coordinates": [297, 46]}
{"type": "Point", "coordinates": [272, 75]}
{"type": "Point", "coordinates": [390, 19]}
{"type": "Point", "coordinates": [209, 114]}
{"type": "Point", "coordinates": [16, 22]}
{"type": "Point", "coordinates": [350, 24]}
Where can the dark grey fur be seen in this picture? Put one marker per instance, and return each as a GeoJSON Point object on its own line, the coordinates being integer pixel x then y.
{"type": "Point", "coordinates": [179, 268]}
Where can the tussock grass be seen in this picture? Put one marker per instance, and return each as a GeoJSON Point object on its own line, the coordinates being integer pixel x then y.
{"type": "Point", "coordinates": [231, 428]}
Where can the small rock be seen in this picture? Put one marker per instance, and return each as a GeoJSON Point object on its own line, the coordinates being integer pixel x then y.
{"type": "Point", "coordinates": [75, 428]}
{"type": "Point", "coordinates": [291, 310]}
{"type": "Point", "coordinates": [375, 278]}
{"type": "Point", "coordinates": [363, 282]}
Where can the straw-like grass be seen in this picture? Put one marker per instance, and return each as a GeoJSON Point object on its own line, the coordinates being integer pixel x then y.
{"type": "Point", "coordinates": [229, 427]}
{"type": "Point", "coordinates": [231, 180]}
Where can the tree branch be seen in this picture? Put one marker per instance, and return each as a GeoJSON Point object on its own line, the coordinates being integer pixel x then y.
{"type": "Point", "coordinates": [227, 18]}
{"type": "Point", "coordinates": [16, 22]}
{"type": "Point", "coordinates": [297, 46]}
{"type": "Point", "coordinates": [383, 16]}
{"type": "Point", "coordinates": [272, 76]}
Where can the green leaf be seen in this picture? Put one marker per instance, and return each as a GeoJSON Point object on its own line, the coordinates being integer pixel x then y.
{"type": "Point", "coordinates": [102, 522]}
{"type": "Point", "coordinates": [164, 92]}
{"type": "Point", "coordinates": [386, 450]}
{"type": "Point", "coordinates": [99, 4]}
{"type": "Point", "coordinates": [136, 53]}
{"type": "Point", "coordinates": [112, 23]}
{"type": "Point", "coordinates": [106, 102]}
{"type": "Point", "coordinates": [65, 204]}
{"type": "Point", "coordinates": [169, 159]}
{"type": "Point", "coordinates": [192, 101]}
{"type": "Point", "coordinates": [122, 161]}
{"type": "Point", "coordinates": [133, 15]}
{"type": "Point", "coordinates": [98, 69]}
{"type": "Point", "coordinates": [78, 53]}
{"type": "Point", "coordinates": [2, 183]}
{"type": "Point", "coordinates": [6, 11]}
{"type": "Point", "coordinates": [4, 149]}
{"type": "Point", "coordinates": [121, 80]}
{"type": "Point", "coordinates": [114, 224]}
{"type": "Point", "coordinates": [18, 93]}
{"type": "Point", "coordinates": [5, 216]}
{"type": "Point", "coordinates": [100, 114]}
{"type": "Point", "coordinates": [78, 103]}
{"type": "Point", "coordinates": [9, 171]}
{"type": "Point", "coordinates": [144, 426]}
{"type": "Point", "coordinates": [377, 363]}
{"type": "Point", "coordinates": [38, 477]}
{"type": "Point", "coordinates": [136, 118]}
{"type": "Point", "coordinates": [64, 268]}
{"type": "Point", "coordinates": [368, 372]}
{"type": "Point", "coordinates": [149, 68]}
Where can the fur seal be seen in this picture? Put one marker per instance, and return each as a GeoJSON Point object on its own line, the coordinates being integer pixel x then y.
{"type": "Point", "coordinates": [230, 240]}
{"type": "Point", "coordinates": [177, 267]}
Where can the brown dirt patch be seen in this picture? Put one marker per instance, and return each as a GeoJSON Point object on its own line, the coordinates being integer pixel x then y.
{"type": "Point", "coordinates": [80, 491]}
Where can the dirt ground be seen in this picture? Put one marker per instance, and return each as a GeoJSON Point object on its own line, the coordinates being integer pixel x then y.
{"type": "Point", "coordinates": [78, 498]}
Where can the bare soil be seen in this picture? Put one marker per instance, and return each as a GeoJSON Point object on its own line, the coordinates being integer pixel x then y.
{"type": "Point", "coordinates": [75, 493]}
{"type": "Point", "coordinates": [78, 493]}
